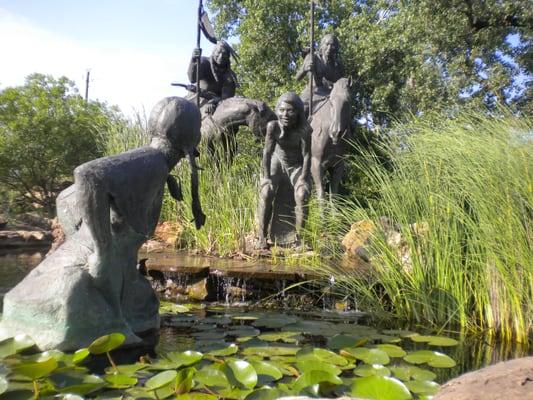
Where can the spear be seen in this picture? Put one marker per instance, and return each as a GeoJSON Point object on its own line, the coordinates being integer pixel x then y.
{"type": "Point", "coordinates": [312, 53]}
{"type": "Point", "coordinates": [198, 28]}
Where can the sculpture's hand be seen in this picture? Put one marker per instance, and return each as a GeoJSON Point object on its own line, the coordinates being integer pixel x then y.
{"type": "Point", "coordinates": [196, 54]}
{"type": "Point", "coordinates": [266, 184]}
{"type": "Point", "coordinates": [308, 64]}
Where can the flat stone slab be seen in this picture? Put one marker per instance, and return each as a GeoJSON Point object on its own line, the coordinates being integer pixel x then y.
{"type": "Point", "coordinates": [509, 380]}
{"type": "Point", "coordinates": [23, 238]}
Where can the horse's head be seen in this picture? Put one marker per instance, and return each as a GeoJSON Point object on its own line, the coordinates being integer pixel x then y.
{"type": "Point", "coordinates": [340, 109]}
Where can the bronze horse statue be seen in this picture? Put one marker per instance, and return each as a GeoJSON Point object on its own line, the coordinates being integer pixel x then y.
{"type": "Point", "coordinates": [331, 123]}
{"type": "Point", "coordinates": [232, 113]}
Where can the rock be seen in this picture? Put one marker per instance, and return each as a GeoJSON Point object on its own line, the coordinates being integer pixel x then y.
{"type": "Point", "coordinates": [168, 233]}
{"type": "Point", "coordinates": [357, 239]}
{"type": "Point", "coordinates": [510, 380]}
{"type": "Point", "coordinates": [35, 221]}
{"type": "Point", "coordinates": [20, 238]}
{"type": "Point", "coordinates": [58, 235]}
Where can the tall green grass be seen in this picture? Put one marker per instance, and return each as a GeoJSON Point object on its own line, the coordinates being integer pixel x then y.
{"type": "Point", "coordinates": [467, 183]}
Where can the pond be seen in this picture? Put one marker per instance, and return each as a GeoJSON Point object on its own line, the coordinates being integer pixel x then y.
{"type": "Point", "coordinates": [282, 338]}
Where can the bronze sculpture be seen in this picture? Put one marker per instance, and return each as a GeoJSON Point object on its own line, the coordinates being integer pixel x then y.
{"type": "Point", "coordinates": [285, 187]}
{"type": "Point", "coordinates": [326, 69]}
{"type": "Point", "coordinates": [90, 286]}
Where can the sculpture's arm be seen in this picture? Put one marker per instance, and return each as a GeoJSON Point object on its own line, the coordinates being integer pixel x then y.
{"type": "Point", "coordinates": [270, 145]}
{"type": "Point", "coordinates": [305, 68]}
{"type": "Point", "coordinates": [306, 153]}
{"type": "Point", "coordinates": [228, 89]}
{"type": "Point", "coordinates": [195, 59]}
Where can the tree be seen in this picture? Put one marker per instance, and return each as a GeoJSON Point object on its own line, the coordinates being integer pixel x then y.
{"type": "Point", "coordinates": [46, 130]}
{"type": "Point", "coordinates": [406, 56]}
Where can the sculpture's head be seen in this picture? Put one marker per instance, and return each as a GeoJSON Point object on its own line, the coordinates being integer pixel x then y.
{"type": "Point", "coordinates": [176, 121]}
{"type": "Point", "coordinates": [329, 46]}
{"type": "Point", "coordinates": [221, 54]}
{"type": "Point", "coordinates": [175, 128]}
{"type": "Point", "coordinates": [290, 110]}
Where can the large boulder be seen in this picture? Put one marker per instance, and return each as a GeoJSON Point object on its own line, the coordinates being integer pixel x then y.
{"type": "Point", "coordinates": [509, 380]}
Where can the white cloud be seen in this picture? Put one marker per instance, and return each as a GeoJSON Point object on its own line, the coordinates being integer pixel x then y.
{"type": "Point", "coordinates": [130, 78]}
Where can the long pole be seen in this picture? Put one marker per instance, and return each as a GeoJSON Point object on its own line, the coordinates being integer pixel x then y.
{"type": "Point", "coordinates": [312, 53]}
{"type": "Point", "coordinates": [200, 9]}
{"type": "Point", "coordinates": [87, 79]}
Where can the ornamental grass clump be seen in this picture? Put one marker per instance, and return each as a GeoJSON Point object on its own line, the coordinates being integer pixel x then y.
{"type": "Point", "coordinates": [460, 192]}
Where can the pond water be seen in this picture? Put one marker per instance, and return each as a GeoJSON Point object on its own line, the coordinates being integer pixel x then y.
{"type": "Point", "coordinates": [203, 327]}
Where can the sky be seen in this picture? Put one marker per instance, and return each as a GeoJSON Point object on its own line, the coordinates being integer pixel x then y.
{"type": "Point", "coordinates": [133, 49]}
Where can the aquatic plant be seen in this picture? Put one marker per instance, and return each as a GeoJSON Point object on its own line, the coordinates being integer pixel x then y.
{"type": "Point", "coordinates": [459, 195]}
{"type": "Point", "coordinates": [239, 355]}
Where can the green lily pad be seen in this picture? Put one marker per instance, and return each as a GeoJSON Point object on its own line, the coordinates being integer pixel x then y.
{"type": "Point", "coordinates": [399, 332]}
{"type": "Point", "coordinates": [184, 358]}
{"type": "Point", "coordinates": [69, 396]}
{"type": "Point", "coordinates": [326, 356]}
{"type": "Point", "coordinates": [423, 387]}
{"type": "Point", "coordinates": [435, 340]}
{"type": "Point", "coordinates": [315, 377]}
{"type": "Point", "coordinates": [265, 393]}
{"type": "Point", "coordinates": [70, 381]}
{"type": "Point", "coordinates": [106, 343]}
{"type": "Point", "coordinates": [386, 338]}
{"type": "Point", "coordinates": [184, 382]}
{"type": "Point", "coordinates": [162, 379]}
{"type": "Point", "coordinates": [35, 370]}
{"type": "Point", "coordinates": [274, 322]}
{"type": "Point", "coordinates": [243, 331]}
{"type": "Point", "coordinates": [368, 356]}
{"type": "Point", "coordinates": [3, 384]}
{"type": "Point", "coordinates": [196, 396]}
{"type": "Point", "coordinates": [408, 372]}
{"type": "Point", "coordinates": [379, 388]}
{"type": "Point", "coordinates": [45, 355]}
{"type": "Point", "coordinates": [392, 350]}
{"type": "Point", "coordinates": [271, 351]}
{"type": "Point", "coordinates": [128, 370]}
{"type": "Point", "coordinates": [432, 358]}
{"type": "Point", "coordinates": [241, 373]}
{"type": "Point", "coordinates": [15, 345]}
{"type": "Point", "coordinates": [119, 381]}
{"type": "Point", "coordinates": [234, 393]}
{"type": "Point", "coordinates": [317, 364]}
{"type": "Point", "coordinates": [341, 341]}
{"type": "Point", "coordinates": [80, 355]}
{"type": "Point", "coordinates": [244, 317]}
{"type": "Point", "coordinates": [172, 308]}
{"type": "Point", "coordinates": [212, 377]}
{"type": "Point", "coordinates": [287, 337]}
{"type": "Point", "coordinates": [226, 351]}
{"type": "Point", "coordinates": [267, 369]}
{"type": "Point", "coordinates": [371, 370]}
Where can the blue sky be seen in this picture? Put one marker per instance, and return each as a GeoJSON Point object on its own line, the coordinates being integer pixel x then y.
{"type": "Point", "coordinates": [133, 48]}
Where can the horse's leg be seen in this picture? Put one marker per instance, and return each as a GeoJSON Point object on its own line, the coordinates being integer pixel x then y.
{"type": "Point", "coordinates": [336, 175]}
{"type": "Point", "coordinates": [317, 172]}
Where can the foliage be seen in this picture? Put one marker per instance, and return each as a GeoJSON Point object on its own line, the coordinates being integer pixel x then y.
{"type": "Point", "coordinates": [467, 184]}
{"type": "Point", "coordinates": [406, 57]}
{"type": "Point", "coordinates": [46, 130]}
{"type": "Point", "coordinates": [259, 367]}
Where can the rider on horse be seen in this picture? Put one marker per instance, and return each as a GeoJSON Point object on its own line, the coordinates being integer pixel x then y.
{"type": "Point", "coordinates": [217, 81]}
{"type": "Point", "coordinates": [327, 70]}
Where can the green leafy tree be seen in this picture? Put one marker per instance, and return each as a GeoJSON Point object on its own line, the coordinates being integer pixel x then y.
{"type": "Point", "coordinates": [406, 57]}
{"type": "Point", "coordinates": [46, 130]}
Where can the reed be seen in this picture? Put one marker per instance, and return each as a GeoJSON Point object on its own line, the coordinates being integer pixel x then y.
{"type": "Point", "coordinates": [467, 184]}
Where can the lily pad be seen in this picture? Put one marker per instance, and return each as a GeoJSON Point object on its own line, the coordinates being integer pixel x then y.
{"type": "Point", "coordinates": [341, 341]}
{"type": "Point", "coordinates": [287, 337]}
{"type": "Point", "coordinates": [317, 364]}
{"type": "Point", "coordinates": [267, 369]}
{"type": "Point", "coordinates": [271, 351]}
{"type": "Point", "coordinates": [37, 369]}
{"type": "Point", "coordinates": [234, 393]}
{"type": "Point", "coordinates": [435, 340]}
{"type": "Point", "coordinates": [106, 343]}
{"type": "Point", "coordinates": [265, 393]}
{"type": "Point", "coordinates": [408, 372]}
{"type": "Point", "coordinates": [76, 383]}
{"type": "Point", "coordinates": [128, 370]}
{"type": "Point", "coordinates": [241, 373]}
{"type": "Point", "coordinates": [119, 381]}
{"type": "Point", "coordinates": [423, 387]}
{"type": "Point", "coordinates": [80, 355]}
{"type": "Point", "coordinates": [274, 322]}
{"type": "Point", "coordinates": [368, 356]}
{"type": "Point", "coordinates": [371, 370]}
{"type": "Point", "coordinates": [15, 345]}
{"type": "Point", "coordinates": [162, 379]}
{"type": "Point", "coordinates": [3, 384]}
{"type": "Point", "coordinates": [326, 356]}
{"type": "Point", "coordinates": [315, 377]}
{"type": "Point", "coordinates": [392, 350]}
{"type": "Point", "coordinates": [184, 382]}
{"type": "Point", "coordinates": [379, 388]}
{"type": "Point", "coordinates": [196, 396]}
{"type": "Point", "coordinates": [225, 351]}
{"type": "Point", "coordinates": [173, 308]}
{"type": "Point", "coordinates": [212, 377]}
{"type": "Point", "coordinates": [184, 358]}
{"type": "Point", "coordinates": [432, 358]}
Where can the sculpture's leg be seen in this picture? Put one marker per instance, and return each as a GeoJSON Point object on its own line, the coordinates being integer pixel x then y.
{"type": "Point", "coordinates": [337, 173]}
{"type": "Point", "coordinates": [317, 172]}
{"type": "Point", "coordinates": [264, 214]}
{"type": "Point", "coordinates": [301, 197]}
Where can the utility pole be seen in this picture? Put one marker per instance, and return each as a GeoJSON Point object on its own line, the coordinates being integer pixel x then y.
{"type": "Point", "coordinates": [87, 79]}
